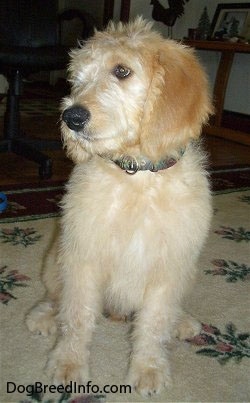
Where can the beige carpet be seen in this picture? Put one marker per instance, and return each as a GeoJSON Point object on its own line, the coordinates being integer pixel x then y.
{"type": "Point", "coordinates": [213, 367]}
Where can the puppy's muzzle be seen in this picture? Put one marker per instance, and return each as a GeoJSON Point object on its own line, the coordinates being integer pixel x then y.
{"type": "Point", "coordinates": [76, 117]}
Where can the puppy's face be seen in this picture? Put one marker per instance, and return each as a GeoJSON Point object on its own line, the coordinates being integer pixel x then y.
{"type": "Point", "coordinates": [133, 92]}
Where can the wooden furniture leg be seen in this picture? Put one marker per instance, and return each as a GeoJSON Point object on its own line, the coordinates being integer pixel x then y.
{"type": "Point", "coordinates": [223, 72]}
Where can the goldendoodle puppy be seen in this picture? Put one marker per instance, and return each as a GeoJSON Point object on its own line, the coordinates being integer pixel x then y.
{"type": "Point", "coordinates": [137, 208]}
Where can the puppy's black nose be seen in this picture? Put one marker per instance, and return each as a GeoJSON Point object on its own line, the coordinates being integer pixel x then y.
{"type": "Point", "coordinates": [76, 117]}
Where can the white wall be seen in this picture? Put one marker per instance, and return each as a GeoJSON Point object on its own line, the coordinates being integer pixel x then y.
{"type": "Point", "coordinates": [238, 91]}
{"type": "Point", "coordinates": [3, 84]}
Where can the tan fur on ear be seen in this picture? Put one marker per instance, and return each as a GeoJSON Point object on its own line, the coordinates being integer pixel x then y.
{"type": "Point", "coordinates": [178, 101]}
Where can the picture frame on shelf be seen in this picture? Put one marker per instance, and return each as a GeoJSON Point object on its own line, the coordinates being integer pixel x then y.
{"type": "Point", "coordinates": [231, 20]}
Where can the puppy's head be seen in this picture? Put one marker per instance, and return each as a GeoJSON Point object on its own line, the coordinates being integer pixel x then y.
{"type": "Point", "coordinates": [133, 92]}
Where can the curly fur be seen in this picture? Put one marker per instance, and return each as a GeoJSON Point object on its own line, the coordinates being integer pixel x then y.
{"type": "Point", "coordinates": [129, 243]}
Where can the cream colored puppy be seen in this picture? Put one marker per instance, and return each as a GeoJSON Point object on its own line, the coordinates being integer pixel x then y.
{"type": "Point", "coordinates": [137, 208]}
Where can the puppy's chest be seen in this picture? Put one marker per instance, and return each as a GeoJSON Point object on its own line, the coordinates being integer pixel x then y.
{"type": "Point", "coordinates": [126, 215]}
{"type": "Point", "coordinates": [132, 208]}
{"type": "Point", "coordinates": [130, 216]}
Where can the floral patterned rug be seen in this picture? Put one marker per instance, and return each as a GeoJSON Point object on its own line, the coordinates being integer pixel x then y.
{"type": "Point", "coordinates": [212, 367]}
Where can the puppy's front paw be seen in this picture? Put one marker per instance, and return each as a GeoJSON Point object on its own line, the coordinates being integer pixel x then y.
{"type": "Point", "coordinates": [63, 369]}
{"type": "Point", "coordinates": [188, 327]}
{"type": "Point", "coordinates": [149, 380]}
{"type": "Point", "coordinates": [41, 320]}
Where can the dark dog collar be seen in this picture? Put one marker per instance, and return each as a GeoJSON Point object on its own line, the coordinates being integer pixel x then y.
{"type": "Point", "coordinates": [134, 164]}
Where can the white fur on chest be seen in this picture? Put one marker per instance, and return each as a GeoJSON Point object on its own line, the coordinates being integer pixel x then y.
{"type": "Point", "coordinates": [136, 228]}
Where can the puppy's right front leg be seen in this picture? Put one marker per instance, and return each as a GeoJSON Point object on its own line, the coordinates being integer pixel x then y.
{"type": "Point", "coordinates": [79, 307]}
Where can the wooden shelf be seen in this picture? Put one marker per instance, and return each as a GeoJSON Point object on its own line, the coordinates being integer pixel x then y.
{"type": "Point", "coordinates": [227, 50]}
{"type": "Point", "coordinates": [218, 45]}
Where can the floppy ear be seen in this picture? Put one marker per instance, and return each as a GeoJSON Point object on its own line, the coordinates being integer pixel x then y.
{"type": "Point", "coordinates": [178, 101]}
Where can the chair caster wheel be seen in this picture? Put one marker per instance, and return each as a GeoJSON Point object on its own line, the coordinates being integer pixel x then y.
{"type": "Point", "coordinates": [45, 170]}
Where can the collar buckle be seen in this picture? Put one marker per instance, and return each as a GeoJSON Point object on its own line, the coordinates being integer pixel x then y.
{"type": "Point", "coordinates": [130, 165]}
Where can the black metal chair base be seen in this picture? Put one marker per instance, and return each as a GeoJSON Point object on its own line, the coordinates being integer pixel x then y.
{"type": "Point", "coordinates": [14, 139]}
{"type": "Point", "coordinates": [30, 149]}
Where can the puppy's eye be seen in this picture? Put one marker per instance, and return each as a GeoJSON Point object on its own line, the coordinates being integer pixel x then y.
{"type": "Point", "coordinates": [121, 72]}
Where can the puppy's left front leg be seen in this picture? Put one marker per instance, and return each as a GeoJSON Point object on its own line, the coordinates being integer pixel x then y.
{"type": "Point", "coordinates": [149, 370]}
{"type": "Point", "coordinates": [79, 307]}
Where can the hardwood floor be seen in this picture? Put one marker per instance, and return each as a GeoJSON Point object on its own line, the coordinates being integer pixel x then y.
{"type": "Point", "coordinates": [226, 153]}
{"type": "Point", "coordinates": [17, 170]}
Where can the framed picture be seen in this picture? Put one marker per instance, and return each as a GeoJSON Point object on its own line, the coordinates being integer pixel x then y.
{"type": "Point", "coordinates": [231, 20]}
